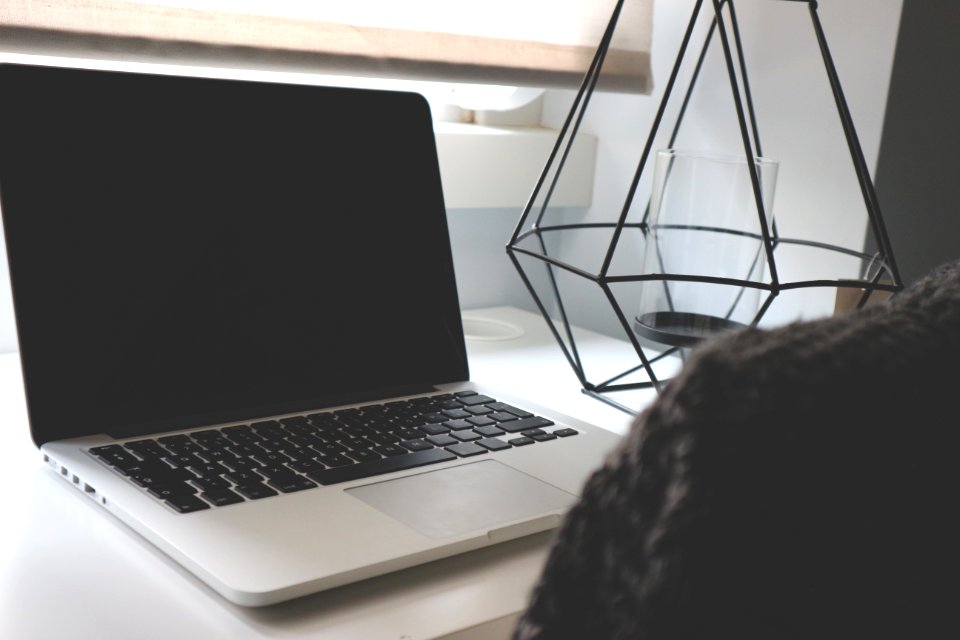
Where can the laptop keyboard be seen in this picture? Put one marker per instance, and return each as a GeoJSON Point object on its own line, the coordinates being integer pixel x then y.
{"type": "Point", "coordinates": [219, 467]}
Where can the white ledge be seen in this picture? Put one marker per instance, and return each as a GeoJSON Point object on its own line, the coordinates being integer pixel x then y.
{"type": "Point", "coordinates": [485, 167]}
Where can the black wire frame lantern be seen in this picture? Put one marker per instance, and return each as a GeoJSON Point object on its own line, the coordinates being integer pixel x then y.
{"type": "Point", "coordinates": [881, 274]}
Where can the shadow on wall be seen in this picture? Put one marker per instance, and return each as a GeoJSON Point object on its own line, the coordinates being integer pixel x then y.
{"type": "Point", "coordinates": [485, 275]}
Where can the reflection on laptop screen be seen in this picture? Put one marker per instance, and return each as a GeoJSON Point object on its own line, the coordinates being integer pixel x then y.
{"type": "Point", "coordinates": [201, 248]}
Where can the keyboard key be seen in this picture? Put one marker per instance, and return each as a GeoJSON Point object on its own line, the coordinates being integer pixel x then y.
{"type": "Point", "coordinates": [364, 455]}
{"type": "Point", "coordinates": [306, 465]}
{"type": "Point", "coordinates": [416, 445]}
{"type": "Point", "coordinates": [543, 437]}
{"type": "Point", "coordinates": [533, 432]}
{"type": "Point", "coordinates": [335, 460]}
{"type": "Point", "coordinates": [493, 444]}
{"type": "Point", "coordinates": [187, 503]}
{"type": "Point", "coordinates": [481, 421]}
{"type": "Point", "coordinates": [525, 423]}
{"type": "Point", "coordinates": [502, 416]}
{"type": "Point", "coordinates": [479, 410]}
{"type": "Point", "coordinates": [455, 414]}
{"type": "Point", "coordinates": [565, 433]}
{"type": "Point", "coordinates": [466, 449]}
{"type": "Point", "coordinates": [390, 450]}
{"type": "Point", "coordinates": [441, 440]}
{"type": "Point", "coordinates": [208, 470]}
{"type": "Point", "coordinates": [466, 436]}
{"type": "Point", "coordinates": [521, 441]}
{"type": "Point", "coordinates": [476, 399]}
{"type": "Point", "coordinates": [489, 431]}
{"type": "Point", "coordinates": [211, 485]}
{"type": "Point", "coordinates": [503, 406]}
{"type": "Point", "coordinates": [243, 477]}
{"type": "Point", "coordinates": [255, 491]}
{"type": "Point", "coordinates": [458, 424]}
{"type": "Point", "coordinates": [156, 479]}
{"type": "Point", "coordinates": [434, 429]}
{"type": "Point", "coordinates": [384, 465]}
{"type": "Point", "coordinates": [221, 497]}
{"type": "Point", "coordinates": [291, 483]}
{"type": "Point", "coordinates": [165, 491]}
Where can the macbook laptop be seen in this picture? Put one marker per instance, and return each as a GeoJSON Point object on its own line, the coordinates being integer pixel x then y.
{"type": "Point", "coordinates": [240, 331]}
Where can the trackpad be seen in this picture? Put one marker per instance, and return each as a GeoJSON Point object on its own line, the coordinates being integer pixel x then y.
{"type": "Point", "coordinates": [457, 500]}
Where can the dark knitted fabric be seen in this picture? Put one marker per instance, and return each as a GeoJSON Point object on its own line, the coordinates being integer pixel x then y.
{"type": "Point", "coordinates": [790, 483]}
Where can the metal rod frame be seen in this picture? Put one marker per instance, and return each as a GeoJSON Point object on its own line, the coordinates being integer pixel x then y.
{"type": "Point", "coordinates": [885, 278]}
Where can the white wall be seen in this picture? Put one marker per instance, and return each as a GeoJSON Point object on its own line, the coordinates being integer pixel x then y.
{"type": "Point", "coordinates": [813, 188]}
{"type": "Point", "coordinates": [817, 194]}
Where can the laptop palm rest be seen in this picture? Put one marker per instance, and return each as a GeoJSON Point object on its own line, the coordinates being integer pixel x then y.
{"type": "Point", "coordinates": [448, 502]}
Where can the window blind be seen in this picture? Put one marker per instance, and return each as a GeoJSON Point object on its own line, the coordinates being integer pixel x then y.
{"type": "Point", "coordinates": [539, 43]}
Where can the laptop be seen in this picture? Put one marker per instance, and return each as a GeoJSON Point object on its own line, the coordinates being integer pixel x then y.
{"type": "Point", "coordinates": [240, 330]}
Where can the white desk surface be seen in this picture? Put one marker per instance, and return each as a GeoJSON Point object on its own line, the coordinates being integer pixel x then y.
{"type": "Point", "coordinates": [69, 570]}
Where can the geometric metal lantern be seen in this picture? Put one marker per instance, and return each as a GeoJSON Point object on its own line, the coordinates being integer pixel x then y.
{"type": "Point", "coordinates": [541, 267]}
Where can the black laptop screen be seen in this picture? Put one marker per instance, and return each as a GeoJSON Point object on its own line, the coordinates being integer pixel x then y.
{"type": "Point", "coordinates": [186, 250]}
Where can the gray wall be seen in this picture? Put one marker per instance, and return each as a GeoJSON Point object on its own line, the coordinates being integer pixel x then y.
{"type": "Point", "coordinates": [917, 174]}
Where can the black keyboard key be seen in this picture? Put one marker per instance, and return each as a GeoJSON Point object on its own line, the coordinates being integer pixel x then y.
{"type": "Point", "coordinates": [383, 438]}
{"type": "Point", "coordinates": [187, 503]}
{"type": "Point", "coordinates": [521, 441]}
{"type": "Point", "coordinates": [335, 460]}
{"type": "Point", "coordinates": [493, 444]}
{"type": "Point", "coordinates": [434, 429]}
{"type": "Point", "coordinates": [543, 437]}
{"type": "Point", "coordinates": [455, 414]}
{"type": "Point", "coordinates": [241, 464]}
{"type": "Point", "coordinates": [441, 440]}
{"type": "Point", "coordinates": [481, 421]}
{"type": "Point", "coordinates": [115, 455]}
{"type": "Point", "coordinates": [243, 477]}
{"type": "Point", "coordinates": [271, 459]}
{"type": "Point", "coordinates": [478, 410]}
{"type": "Point", "coordinates": [275, 472]}
{"type": "Point", "coordinates": [363, 455]}
{"type": "Point", "coordinates": [156, 479]}
{"type": "Point", "coordinates": [165, 491]}
{"type": "Point", "coordinates": [489, 431]}
{"type": "Point", "coordinates": [466, 436]}
{"type": "Point", "coordinates": [211, 484]}
{"type": "Point", "coordinates": [384, 465]}
{"type": "Point", "coordinates": [255, 491]}
{"type": "Point", "coordinates": [565, 433]}
{"type": "Point", "coordinates": [306, 465]}
{"type": "Point", "coordinates": [416, 445]}
{"type": "Point", "coordinates": [390, 450]}
{"type": "Point", "coordinates": [476, 399]}
{"type": "Point", "coordinates": [464, 394]}
{"type": "Point", "coordinates": [458, 424]}
{"type": "Point", "coordinates": [188, 460]}
{"type": "Point", "coordinates": [502, 416]}
{"type": "Point", "coordinates": [221, 497]}
{"type": "Point", "coordinates": [208, 470]}
{"type": "Point", "coordinates": [503, 406]}
{"type": "Point", "coordinates": [434, 417]}
{"type": "Point", "coordinates": [291, 483]}
{"type": "Point", "coordinates": [523, 424]}
{"type": "Point", "coordinates": [533, 432]}
{"type": "Point", "coordinates": [466, 449]}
